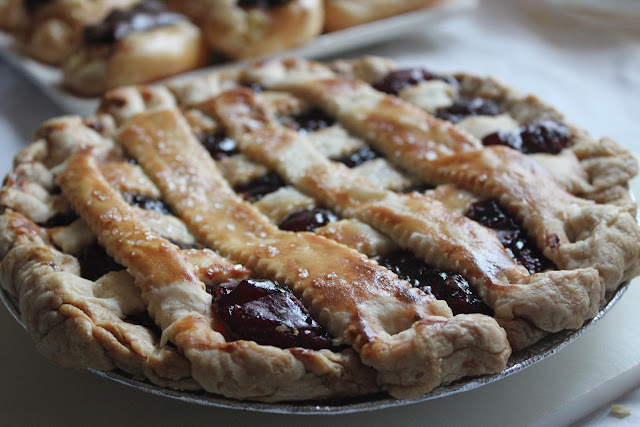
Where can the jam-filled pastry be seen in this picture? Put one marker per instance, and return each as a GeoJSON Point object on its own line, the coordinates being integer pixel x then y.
{"type": "Point", "coordinates": [240, 29]}
{"type": "Point", "coordinates": [341, 14]}
{"type": "Point", "coordinates": [49, 30]}
{"type": "Point", "coordinates": [282, 232]}
{"type": "Point", "coordinates": [137, 45]}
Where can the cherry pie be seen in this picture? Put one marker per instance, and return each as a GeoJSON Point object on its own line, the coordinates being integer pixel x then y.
{"type": "Point", "coordinates": [294, 230]}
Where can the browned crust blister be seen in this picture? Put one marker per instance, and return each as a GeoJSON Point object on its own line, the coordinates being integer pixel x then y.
{"type": "Point", "coordinates": [398, 339]}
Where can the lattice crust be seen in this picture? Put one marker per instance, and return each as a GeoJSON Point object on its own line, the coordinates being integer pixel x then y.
{"type": "Point", "coordinates": [593, 169]}
{"type": "Point", "coordinates": [598, 170]}
{"type": "Point", "coordinates": [398, 338]}
{"type": "Point", "coordinates": [571, 231]}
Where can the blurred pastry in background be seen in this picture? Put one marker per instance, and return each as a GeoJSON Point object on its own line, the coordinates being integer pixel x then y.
{"type": "Point", "coordinates": [141, 44]}
{"type": "Point", "coordinates": [49, 30]}
{"type": "Point", "coordinates": [241, 29]}
{"type": "Point", "coordinates": [341, 14]}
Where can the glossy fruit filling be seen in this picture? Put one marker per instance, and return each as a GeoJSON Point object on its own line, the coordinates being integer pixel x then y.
{"type": "Point", "coordinates": [267, 313]}
{"type": "Point", "coordinates": [544, 136]}
{"type": "Point", "coordinates": [511, 235]}
{"type": "Point", "coordinates": [394, 82]}
{"type": "Point", "coordinates": [258, 188]}
{"type": "Point", "coordinates": [464, 107]}
{"type": "Point", "coordinates": [219, 145]}
{"type": "Point", "coordinates": [443, 285]}
{"type": "Point", "coordinates": [95, 262]}
{"type": "Point", "coordinates": [309, 121]}
{"type": "Point", "coordinates": [60, 219]}
{"type": "Point", "coordinates": [359, 157]}
{"type": "Point", "coordinates": [146, 203]}
{"type": "Point", "coordinates": [308, 219]}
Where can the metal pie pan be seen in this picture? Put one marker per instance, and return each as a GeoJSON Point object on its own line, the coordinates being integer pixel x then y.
{"type": "Point", "coordinates": [518, 361]}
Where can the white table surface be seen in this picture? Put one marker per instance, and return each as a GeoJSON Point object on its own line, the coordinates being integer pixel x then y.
{"type": "Point", "coordinates": [590, 73]}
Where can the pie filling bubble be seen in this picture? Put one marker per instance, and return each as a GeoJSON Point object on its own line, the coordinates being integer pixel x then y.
{"type": "Point", "coordinates": [394, 82]}
{"type": "Point", "coordinates": [443, 285]}
{"type": "Point", "coordinates": [268, 313]}
{"type": "Point", "coordinates": [465, 107]}
{"type": "Point", "coordinates": [308, 219]}
{"type": "Point", "coordinates": [511, 235]}
{"type": "Point", "coordinates": [95, 262]}
{"type": "Point", "coordinates": [219, 145]}
{"type": "Point", "coordinates": [258, 188]}
{"type": "Point", "coordinates": [309, 121]}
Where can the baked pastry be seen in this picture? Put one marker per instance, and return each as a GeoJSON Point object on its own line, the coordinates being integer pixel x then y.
{"type": "Point", "coordinates": [150, 238]}
{"type": "Point", "coordinates": [49, 30]}
{"type": "Point", "coordinates": [240, 29]}
{"type": "Point", "coordinates": [342, 14]}
{"type": "Point", "coordinates": [137, 45]}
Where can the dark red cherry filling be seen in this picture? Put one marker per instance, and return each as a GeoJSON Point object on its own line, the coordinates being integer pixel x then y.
{"type": "Point", "coordinates": [60, 219]}
{"type": "Point", "coordinates": [443, 285]}
{"type": "Point", "coordinates": [95, 262]}
{"type": "Point", "coordinates": [464, 107]}
{"type": "Point", "coordinates": [395, 81]}
{"type": "Point", "coordinates": [359, 157]}
{"type": "Point", "coordinates": [258, 188]}
{"type": "Point", "coordinates": [267, 313]}
{"type": "Point", "coordinates": [146, 203]}
{"type": "Point", "coordinates": [544, 136]}
{"type": "Point", "coordinates": [219, 145]}
{"type": "Point", "coordinates": [143, 319]}
{"type": "Point", "coordinates": [511, 235]}
{"type": "Point", "coordinates": [308, 121]}
{"type": "Point", "coordinates": [122, 22]}
{"type": "Point", "coordinates": [308, 219]}
{"type": "Point", "coordinates": [262, 4]}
